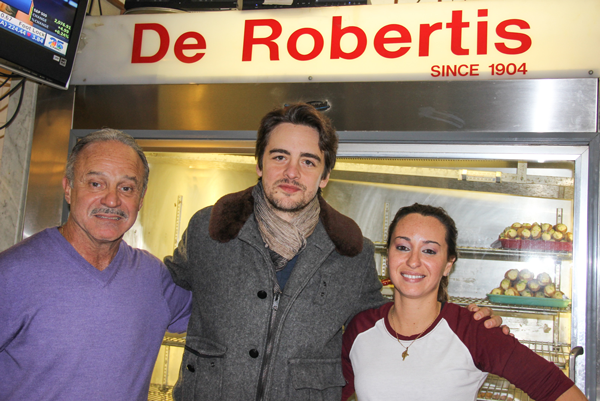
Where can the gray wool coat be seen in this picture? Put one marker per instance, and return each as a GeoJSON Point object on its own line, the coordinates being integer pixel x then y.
{"type": "Point", "coordinates": [244, 340]}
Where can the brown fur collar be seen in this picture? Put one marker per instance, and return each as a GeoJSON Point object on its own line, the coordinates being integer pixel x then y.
{"type": "Point", "coordinates": [230, 213]}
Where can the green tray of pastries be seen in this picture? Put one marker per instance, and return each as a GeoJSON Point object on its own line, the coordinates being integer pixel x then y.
{"type": "Point", "coordinates": [530, 301]}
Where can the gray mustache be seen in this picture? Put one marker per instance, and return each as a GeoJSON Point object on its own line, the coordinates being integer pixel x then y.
{"type": "Point", "coordinates": [117, 212]}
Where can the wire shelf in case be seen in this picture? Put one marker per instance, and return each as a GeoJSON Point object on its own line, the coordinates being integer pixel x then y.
{"type": "Point", "coordinates": [497, 388]}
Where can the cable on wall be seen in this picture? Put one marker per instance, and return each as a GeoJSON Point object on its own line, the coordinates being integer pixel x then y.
{"type": "Point", "coordinates": [13, 89]}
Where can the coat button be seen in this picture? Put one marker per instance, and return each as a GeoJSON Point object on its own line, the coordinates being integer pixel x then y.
{"type": "Point", "coordinates": [262, 294]}
{"type": "Point", "coordinates": [191, 368]}
{"type": "Point", "coordinates": [253, 353]}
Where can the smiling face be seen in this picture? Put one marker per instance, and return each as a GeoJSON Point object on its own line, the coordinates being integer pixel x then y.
{"type": "Point", "coordinates": [418, 256]}
{"type": "Point", "coordinates": [292, 168]}
{"type": "Point", "coordinates": [106, 193]}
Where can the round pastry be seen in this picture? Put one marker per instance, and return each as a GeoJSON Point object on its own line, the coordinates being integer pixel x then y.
{"type": "Point", "coordinates": [533, 285]}
{"type": "Point", "coordinates": [497, 291]}
{"type": "Point", "coordinates": [544, 279]}
{"type": "Point", "coordinates": [549, 290]}
{"type": "Point", "coordinates": [512, 291]}
{"type": "Point", "coordinates": [505, 284]}
{"type": "Point", "coordinates": [562, 228]}
{"type": "Point", "coordinates": [521, 285]}
{"type": "Point", "coordinates": [536, 232]}
{"type": "Point", "coordinates": [512, 274]}
{"type": "Point", "coordinates": [525, 275]}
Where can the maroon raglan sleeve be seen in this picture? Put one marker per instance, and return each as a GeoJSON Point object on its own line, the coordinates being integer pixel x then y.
{"type": "Point", "coordinates": [505, 356]}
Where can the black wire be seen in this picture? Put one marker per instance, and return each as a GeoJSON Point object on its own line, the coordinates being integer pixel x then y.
{"type": "Point", "coordinates": [100, 6]}
{"type": "Point", "coordinates": [90, 8]}
{"type": "Point", "coordinates": [5, 81]}
{"type": "Point", "coordinates": [11, 91]}
{"type": "Point", "coordinates": [11, 75]}
{"type": "Point", "coordinates": [22, 86]}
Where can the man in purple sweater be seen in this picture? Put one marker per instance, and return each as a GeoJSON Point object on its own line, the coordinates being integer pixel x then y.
{"type": "Point", "coordinates": [83, 314]}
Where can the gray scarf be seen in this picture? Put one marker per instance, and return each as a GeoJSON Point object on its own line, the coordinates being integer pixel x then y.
{"type": "Point", "coordinates": [284, 239]}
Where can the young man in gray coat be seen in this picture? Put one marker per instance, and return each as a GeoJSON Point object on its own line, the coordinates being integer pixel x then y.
{"type": "Point", "coordinates": [275, 274]}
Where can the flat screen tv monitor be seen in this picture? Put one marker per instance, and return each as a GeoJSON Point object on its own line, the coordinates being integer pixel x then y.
{"type": "Point", "coordinates": [38, 38]}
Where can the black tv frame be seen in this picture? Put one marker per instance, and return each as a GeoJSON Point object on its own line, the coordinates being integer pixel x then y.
{"type": "Point", "coordinates": [38, 63]}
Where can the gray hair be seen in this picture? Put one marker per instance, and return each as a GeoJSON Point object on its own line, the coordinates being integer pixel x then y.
{"type": "Point", "coordinates": [104, 135]}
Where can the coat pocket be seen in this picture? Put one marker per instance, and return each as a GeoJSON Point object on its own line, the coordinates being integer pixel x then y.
{"type": "Point", "coordinates": [316, 379]}
{"type": "Point", "coordinates": [201, 372]}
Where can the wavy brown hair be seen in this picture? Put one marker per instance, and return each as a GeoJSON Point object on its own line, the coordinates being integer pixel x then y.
{"type": "Point", "coordinates": [299, 114]}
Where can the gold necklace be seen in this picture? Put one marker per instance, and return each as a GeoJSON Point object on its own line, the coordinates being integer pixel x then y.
{"type": "Point", "coordinates": [405, 353]}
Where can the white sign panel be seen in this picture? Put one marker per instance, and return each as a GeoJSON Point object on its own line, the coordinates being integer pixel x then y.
{"type": "Point", "coordinates": [449, 40]}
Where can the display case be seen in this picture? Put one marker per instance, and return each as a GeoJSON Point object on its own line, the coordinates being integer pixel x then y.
{"type": "Point", "coordinates": [491, 152]}
{"type": "Point", "coordinates": [506, 189]}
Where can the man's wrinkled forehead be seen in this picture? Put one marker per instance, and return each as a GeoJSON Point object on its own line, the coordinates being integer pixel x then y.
{"type": "Point", "coordinates": [92, 158]}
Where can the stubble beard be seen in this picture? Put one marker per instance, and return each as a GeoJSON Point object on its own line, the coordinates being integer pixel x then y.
{"type": "Point", "coordinates": [291, 209]}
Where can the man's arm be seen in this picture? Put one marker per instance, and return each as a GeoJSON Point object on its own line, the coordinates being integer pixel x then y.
{"type": "Point", "coordinates": [178, 263]}
{"type": "Point", "coordinates": [179, 302]}
{"type": "Point", "coordinates": [370, 294]}
{"type": "Point", "coordinates": [493, 321]}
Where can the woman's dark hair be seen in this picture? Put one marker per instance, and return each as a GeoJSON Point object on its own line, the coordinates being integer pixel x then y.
{"type": "Point", "coordinates": [451, 235]}
{"type": "Point", "coordinates": [299, 114]}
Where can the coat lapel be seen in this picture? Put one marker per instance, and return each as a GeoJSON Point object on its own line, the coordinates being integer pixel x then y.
{"type": "Point", "coordinates": [318, 248]}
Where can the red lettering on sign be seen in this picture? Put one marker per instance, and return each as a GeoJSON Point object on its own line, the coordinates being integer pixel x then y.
{"type": "Point", "coordinates": [390, 41]}
{"type": "Point", "coordinates": [336, 36]}
{"type": "Point", "coordinates": [180, 46]}
{"type": "Point", "coordinates": [456, 27]}
{"type": "Point", "coordinates": [292, 44]}
{"type": "Point", "coordinates": [163, 41]}
{"type": "Point", "coordinates": [455, 70]}
{"type": "Point", "coordinates": [520, 37]}
{"type": "Point", "coordinates": [425, 35]}
{"type": "Point", "coordinates": [381, 40]}
{"type": "Point", "coordinates": [482, 34]}
{"type": "Point", "coordinates": [250, 40]}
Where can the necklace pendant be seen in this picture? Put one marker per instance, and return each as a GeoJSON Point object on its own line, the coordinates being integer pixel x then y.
{"type": "Point", "coordinates": [404, 354]}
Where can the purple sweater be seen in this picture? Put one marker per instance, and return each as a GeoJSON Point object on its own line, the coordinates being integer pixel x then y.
{"type": "Point", "coordinates": [71, 332]}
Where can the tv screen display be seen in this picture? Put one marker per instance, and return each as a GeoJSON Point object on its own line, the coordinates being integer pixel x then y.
{"type": "Point", "coordinates": [38, 38]}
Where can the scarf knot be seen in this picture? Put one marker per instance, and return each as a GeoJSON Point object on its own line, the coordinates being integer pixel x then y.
{"type": "Point", "coordinates": [284, 239]}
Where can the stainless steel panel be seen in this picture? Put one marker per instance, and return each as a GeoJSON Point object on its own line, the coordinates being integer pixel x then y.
{"type": "Point", "coordinates": [592, 349]}
{"type": "Point", "coordinates": [553, 105]}
{"type": "Point", "coordinates": [48, 157]}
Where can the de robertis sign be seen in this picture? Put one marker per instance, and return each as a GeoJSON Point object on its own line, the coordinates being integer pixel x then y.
{"type": "Point", "coordinates": [466, 40]}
